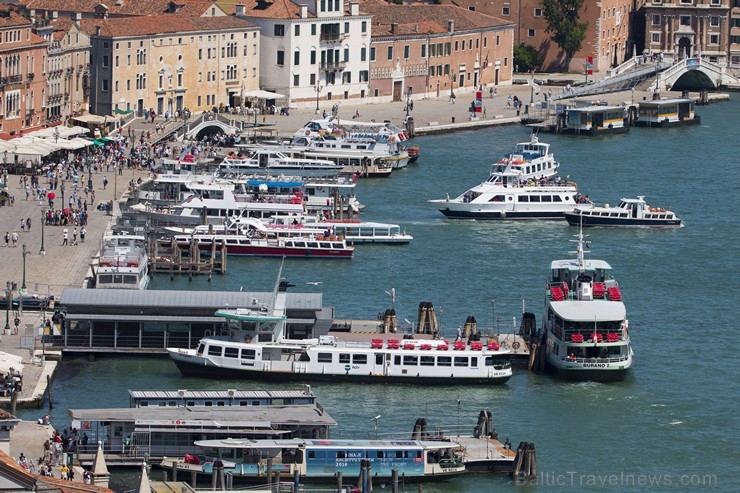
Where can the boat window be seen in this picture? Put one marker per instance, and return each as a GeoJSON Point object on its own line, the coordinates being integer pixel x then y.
{"type": "Point", "coordinates": [325, 245]}
{"type": "Point", "coordinates": [379, 359]}
{"type": "Point", "coordinates": [313, 244]}
{"type": "Point", "coordinates": [248, 353]}
{"type": "Point", "coordinates": [444, 361]}
{"type": "Point", "coordinates": [341, 454]}
{"type": "Point", "coordinates": [523, 198]}
{"type": "Point", "coordinates": [300, 244]}
{"type": "Point", "coordinates": [201, 348]}
{"type": "Point", "coordinates": [474, 362]}
{"type": "Point", "coordinates": [491, 361]}
{"type": "Point", "coordinates": [556, 198]}
{"type": "Point", "coordinates": [359, 359]}
{"type": "Point", "coordinates": [231, 352]}
{"type": "Point", "coordinates": [397, 359]}
{"type": "Point", "coordinates": [623, 214]}
{"type": "Point", "coordinates": [311, 454]}
{"type": "Point", "coordinates": [614, 214]}
{"type": "Point", "coordinates": [232, 241]}
{"type": "Point", "coordinates": [337, 246]}
{"type": "Point", "coordinates": [191, 403]}
{"type": "Point", "coordinates": [380, 454]}
{"type": "Point", "coordinates": [606, 214]}
{"type": "Point", "coordinates": [427, 361]}
{"type": "Point", "coordinates": [220, 403]}
{"type": "Point", "coordinates": [497, 198]}
{"type": "Point", "coordinates": [534, 198]}
{"type": "Point", "coordinates": [214, 350]}
{"type": "Point", "coordinates": [344, 357]}
{"type": "Point", "coordinates": [399, 454]}
{"type": "Point", "coordinates": [410, 360]}
{"type": "Point", "coordinates": [461, 361]}
{"type": "Point", "coordinates": [324, 358]}
{"type": "Point", "coordinates": [546, 198]}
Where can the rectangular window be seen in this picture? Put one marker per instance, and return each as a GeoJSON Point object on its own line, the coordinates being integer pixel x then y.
{"type": "Point", "coordinates": [363, 27]}
{"type": "Point", "coordinates": [296, 80]}
{"type": "Point", "coordinates": [346, 28]}
{"type": "Point", "coordinates": [427, 361]}
{"type": "Point", "coordinates": [406, 51]}
{"type": "Point", "coordinates": [505, 11]}
{"type": "Point", "coordinates": [655, 37]}
{"type": "Point", "coordinates": [372, 53]}
{"type": "Point", "coordinates": [324, 358]}
{"type": "Point", "coordinates": [344, 357]}
{"type": "Point", "coordinates": [104, 84]}
{"type": "Point", "coordinates": [297, 29]}
{"type": "Point", "coordinates": [538, 12]}
{"type": "Point", "coordinates": [714, 21]}
{"type": "Point", "coordinates": [281, 58]}
{"type": "Point", "coordinates": [448, 48]}
{"type": "Point", "coordinates": [444, 361]}
{"type": "Point", "coordinates": [431, 71]}
{"type": "Point", "coordinates": [231, 352]}
{"type": "Point", "coordinates": [714, 39]}
{"type": "Point", "coordinates": [410, 360]}
{"type": "Point", "coordinates": [655, 20]}
{"type": "Point", "coordinates": [530, 33]}
{"type": "Point", "coordinates": [359, 359]}
{"type": "Point", "coordinates": [457, 45]}
{"type": "Point", "coordinates": [214, 350]}
{"type": "Point", "coordinates": [461, 361]}
{"type": "Point", "coordinates": [363, 54]}
{"type": "Point", "coordinates": [432, 50]}
{"type": "Point", "coordinates": [313, 57]}
{"type": "Point", "coordinates": [390, 53]}
{"type": "Point", "coordinates": [313, 29]}
{"type": "Point", "coordinates": [685, 20]}
{"type": "Point", "coordinates": [364, 76]}
{"type": "Point", "coordinates": [279, 30]}
{"type": "Point", "coordinates": [296, 58]}
{"type": "Point", "coordinates": [105, 60]}
{"type": "Point", "coordinates": [423, 51]}
{"type": "Point", "coordinates": [246, 353]}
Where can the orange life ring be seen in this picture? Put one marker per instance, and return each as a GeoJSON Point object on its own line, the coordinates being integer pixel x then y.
{"type": "Point", "coordinates": [308, 132]}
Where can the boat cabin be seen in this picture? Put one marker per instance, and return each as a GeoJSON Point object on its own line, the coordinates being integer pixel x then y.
{"type": "Point", "coordinates": [123, 263]}
{"type": "Point", "coordinates": [594, 119]}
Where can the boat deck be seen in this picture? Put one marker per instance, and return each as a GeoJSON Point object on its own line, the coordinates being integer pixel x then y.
{"type": "Point", "coordinates": [486, 454]}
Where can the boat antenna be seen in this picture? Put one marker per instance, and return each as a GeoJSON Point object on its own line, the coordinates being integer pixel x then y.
{"type": "Point", "coordinates": [580, 242]}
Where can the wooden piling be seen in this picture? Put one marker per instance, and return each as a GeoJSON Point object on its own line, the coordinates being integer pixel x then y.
{"type": "Point", "coordinates": [48, 387]}
{"type": "Point", "coordinates": [394, 481]}
{"type": "Point", "coordinates": [174, 470]}
{"type": "Point", "coordinates": [193, 478]}
{"type": "Point", "coordinates": [339, 481]}
{"type": "Point", "coordinates": [269, 472]}
{"type": "Point", "coordinates": [13, 402]}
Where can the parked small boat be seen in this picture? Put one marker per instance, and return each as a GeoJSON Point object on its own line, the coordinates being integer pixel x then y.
{"type": "Point", "coordinates": [123, 262]}
{"type": "Point", "coordinates": [585, 322]}
{"type": "Point", "coordinates": [629, 212]}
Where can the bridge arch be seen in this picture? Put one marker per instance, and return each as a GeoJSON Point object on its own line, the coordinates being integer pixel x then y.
{"type": "Point", "coordinates": [210, 127]}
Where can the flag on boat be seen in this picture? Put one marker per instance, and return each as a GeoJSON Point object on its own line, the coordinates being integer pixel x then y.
{"type": "Point", "coordinates": [534, 85]}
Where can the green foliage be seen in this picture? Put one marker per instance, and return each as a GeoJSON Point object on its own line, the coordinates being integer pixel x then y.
{"type": "Point", "coordinates": [563, 26]}
{"type": "Point", "coordinates": [526, 58]}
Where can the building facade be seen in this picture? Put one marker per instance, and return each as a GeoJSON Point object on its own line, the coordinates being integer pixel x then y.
{"type": "Point", "coordinates": [22, 91]}
{"type": "Point", "coordinates": [168, 63]}
{"type": "Point", "coordinates": [608, 37]}
{"type": "Point", "coordinates": [67, 67]}
{"type": "Point", "coordinates": [312, 49]}
{"type": "Point", "coordinates": [690, 28]}
{"type": "Point", "coordinates": [419, 50]}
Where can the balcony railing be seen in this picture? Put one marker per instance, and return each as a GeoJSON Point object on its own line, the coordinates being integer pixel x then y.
{"type": "Point", "coordinates": [333, 37]}
{"type": "Point", "coordinates": [333, 66]}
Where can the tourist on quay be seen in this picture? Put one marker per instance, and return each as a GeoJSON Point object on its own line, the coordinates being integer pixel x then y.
{"type": "Point", "coordinates": [66, 237]}
{"type": "Point", "coordinates": [16, 323]}
{"type": "Point", "coordinates": [74, 237]}
{"type": "Point", "coordinates": [23, 225]}
{"type": "Point", "coordinates": [83, 232]}
{"type": "Point", "coordinates": [28, 224]}
{"type": "Point", "coordinates": [14, 238]}
{"type": "Point", "coordinates": [7, 239]}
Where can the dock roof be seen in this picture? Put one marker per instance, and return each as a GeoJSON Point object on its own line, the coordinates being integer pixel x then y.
{"type": "Point", "coordinates": [201, 416]}
{"type": "Point", "coordinates": [222, 394]}
{"type": "Point", "coordinates": [92, 298]}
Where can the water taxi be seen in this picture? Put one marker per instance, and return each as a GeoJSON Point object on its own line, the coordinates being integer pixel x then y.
{"type": "Point", "coordinates": [629, 212]}
{"type": "Point", "coordinates": [667, 113]}
{"type": "Point", "coordinates": [123, 262]}
{"type": "Point", "coordinates": [585, 322]}
{"type": "Point", "coordinates": [522, 185]}
{"type": "Point", "coordinates": [256, 347]}
{"type": "Point", "coordinates": [352, 230]}
{"type": "Point", "coordinates": [321, 460]}
{"type": "Point", "coordinates": [595, 120]}
{"type": "Point", "coordinates": [272, 161]}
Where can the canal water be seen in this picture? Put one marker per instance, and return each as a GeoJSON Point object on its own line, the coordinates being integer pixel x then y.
{"type": "Point", "coordinates": [672, 424]}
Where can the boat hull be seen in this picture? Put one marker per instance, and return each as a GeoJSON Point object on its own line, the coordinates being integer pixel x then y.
{"type": "Point", "coordinates": [500, 215]}
{"type": "Point", "coordinates": [593, 375]}
{"type": "Point", "coordinates": [190, 367]}
{"type": "Point", "coordinates": [276, 251]}
{"type": "Point", "coordinates": [686, 122]}
{"type": "Point", "coordinates": [587, 220]}
{"type": "Point", "coordinates": [596, 131]}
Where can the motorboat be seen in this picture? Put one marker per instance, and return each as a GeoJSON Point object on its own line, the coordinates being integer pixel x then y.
{"type": "Point", "coordinates": [629, 212]}
{"type": "Point", "coordinates": [522, 185]}
{"type": "Point", "coordinates": [585, 322]}
{"type": "Point", "coordinates": [255, 346]}
{"type": "Point", "coordinates": [269, 160]}
{"type": "Point", "coordinates": [353, 230]}
{"type": "Point", "coordinates": [123, 262]}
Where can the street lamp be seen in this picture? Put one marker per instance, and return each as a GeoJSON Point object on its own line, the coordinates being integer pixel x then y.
{"type": "Point", "coordinates": [61, 189]}
{"type": "Point", "coordinates": [23, 282]}
{"type": "Point", "coordinates": [318, 92]}
{"type": "Point", "coordinates": [408, 101]}
{"type": "Point", "coordinates": [43, 222]}
{"type": "Point", "coordinates": [8, 301]}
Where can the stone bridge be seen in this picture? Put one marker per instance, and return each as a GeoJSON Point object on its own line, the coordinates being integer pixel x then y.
{"type": "Point", "coordinates": [693, 73]}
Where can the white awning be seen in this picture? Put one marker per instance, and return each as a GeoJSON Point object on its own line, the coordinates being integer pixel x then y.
{"type": "Point", "coordinates": [590, 311]}
{"type": "Point", "coordinates": [96, 119]}
{"type": "Point", "coordinates": [260, 94]}
{"type": "Point", "coordinates": [8, 361]}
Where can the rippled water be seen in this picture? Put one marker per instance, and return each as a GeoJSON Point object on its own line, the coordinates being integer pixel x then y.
{"type": "Point", "coordinates": [674, 416]}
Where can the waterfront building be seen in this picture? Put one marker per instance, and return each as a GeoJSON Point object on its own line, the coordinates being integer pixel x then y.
{"type": "Point", "coordinates": [22, 91]}
{"type": "Point", "coordinates": [691, 28]}
{"type": "Point", "coordinates": [608, 41]}
{"type": "Point", "coordinates": [311, 50]}
{"type": "Point", "coordinates": [67, 67]}
{"type": "Point", "coordinates": [168, 63]}
{"type": "Point", "coordinates": [419, 50]}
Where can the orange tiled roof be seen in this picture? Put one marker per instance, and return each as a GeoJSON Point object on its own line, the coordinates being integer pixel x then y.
{"type": "Point", "coordinates": [425, 19]}
{"type": "Point", "coordinates": [160, 24]}
{"type": "Point", "coordinates": [13, 19]}
{"type": "Point", "coordinates": [272, 9]}
{"type": "Point", "coordinates": [126, 7]}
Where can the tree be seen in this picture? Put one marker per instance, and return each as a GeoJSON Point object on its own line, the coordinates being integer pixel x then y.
{"type": "Point", "coordinates": [563, 26]}
{"type": "Point", "coordinates": [526, 58]}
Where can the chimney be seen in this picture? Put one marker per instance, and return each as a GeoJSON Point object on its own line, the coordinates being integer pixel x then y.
{"type": "Point", "coordinates": [77, 16]}
{"type": "Point", "coordinates": [240, 10]}
{"type": "Point", "coordinates": [451, 26]}
{"type": "Point", "coordinates": [304, 11]}
{"type": "Point", "coordinates": [54, 14]}
{"type": "Point", "coordinates": [394, 28]}
{"type": "Point", "coordinates": [354, 8]}
{"type": "Point", "coordinates": [32, 13]}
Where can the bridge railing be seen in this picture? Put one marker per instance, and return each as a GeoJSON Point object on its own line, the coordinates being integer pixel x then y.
{"type": "Point", "coordinates": [619, 82]}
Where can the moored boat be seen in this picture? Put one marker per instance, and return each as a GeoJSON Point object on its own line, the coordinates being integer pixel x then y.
{"type": "Point", "coordinates": [595, 120]}
{"type": "Point", "coordinates": [667, 113]}
{"type": "Point", "coordinates": [629, 212]}
{"type": "Point", "coordinates": [123, 262]}
{"type": "Point", "coordinates": [256, 347]}
{"type": "Point", "coordinates": [585, 322]}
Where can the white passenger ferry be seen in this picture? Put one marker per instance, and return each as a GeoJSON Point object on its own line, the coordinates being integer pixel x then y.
{"type": "Point", "coordinates": [272, 161]}
{"type": "Point", "coordinates": [523, 185]}
{"type": "Point", "coordinates": [123, 262]}
{"type": "Point", "coordinates": [255, 346]}
{"type": "Point", "coordinates": [585, 320]}
{"type": "Point", "coordinates": [629, 212]}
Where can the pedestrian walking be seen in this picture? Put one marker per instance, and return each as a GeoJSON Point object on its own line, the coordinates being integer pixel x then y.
{"type": "Point", "coordinates": [17, 323]}
{"type": "Point", "coordinates": [14, 237]}
{"type": "Point", "coordinates": [28, 224]}
{"type": "Point", "coordinates": [83, 232]}
{"type": "Point", "coordinates": [7, 238]}
{"type": "Point", "coordinates": [65, 236]}
{"type": "Point", "coordinates": [74, 236]}
{"type": "Point", "coordinates": [23, 225]}
{"type": "Point", "coordinates": [105, 182]}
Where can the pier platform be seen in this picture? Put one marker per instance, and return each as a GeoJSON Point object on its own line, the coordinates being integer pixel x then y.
{"type": "Point", "coordinates": [486, 455]}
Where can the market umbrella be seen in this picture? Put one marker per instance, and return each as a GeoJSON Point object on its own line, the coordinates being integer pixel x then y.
{"type": "Point", "coordinates": [51, 195]}
{"type": "Point", "coordinates": [65, 211]}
